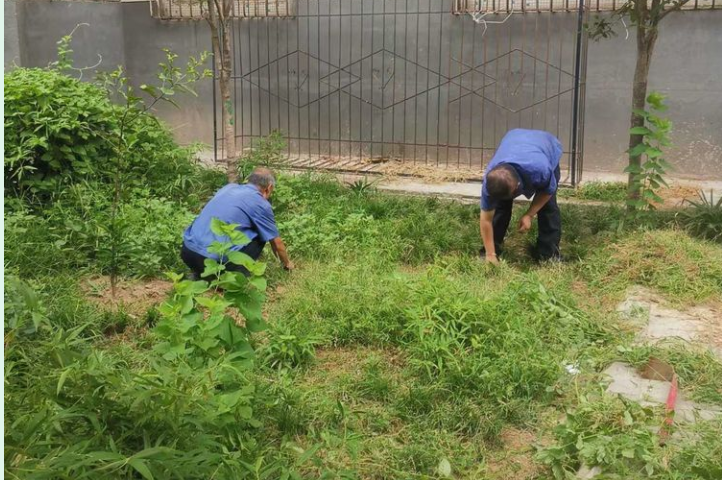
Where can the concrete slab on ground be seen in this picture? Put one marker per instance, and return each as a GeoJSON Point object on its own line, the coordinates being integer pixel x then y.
{"type": "Point", "coordinates": [657, 322]}
{"type": "Point", "coordinates": [627, 382]}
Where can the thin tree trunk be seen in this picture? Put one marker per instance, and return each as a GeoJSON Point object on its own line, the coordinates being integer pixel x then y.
{"type": "Point", "coordinates": [229, 128]}
{"type": "Point", "coordinates": [646, 38]}
{"type": "Point", "coordinates": [218, 18]}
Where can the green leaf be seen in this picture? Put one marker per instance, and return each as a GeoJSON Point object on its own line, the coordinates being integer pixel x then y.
{"type": "Point", "coordinates": [212, 268]}
{"type": "Point", "coordinates": [628, 420]}
{"type": "Point", "coordinates": [217, 227]}
{"type": "Point", "coordinates": [638, 150]}
{"type": "Point", "coordinates": [140, 467]}
{"type": "Point", "coordinates": [444, 468]}
{"type": "Point", "coordinates": [62, 379]}
{"type": "Point", "coordinates": [640, 131]}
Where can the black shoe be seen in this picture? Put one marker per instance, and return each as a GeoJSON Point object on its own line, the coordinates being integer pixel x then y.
{"type": "Point", "coordinates": [555, 257]}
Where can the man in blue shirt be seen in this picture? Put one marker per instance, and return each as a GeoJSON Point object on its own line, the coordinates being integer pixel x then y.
{"type": "Point", "coordinates": [526, 163]}
{"type": "Point", "coordinates": [246, 206]}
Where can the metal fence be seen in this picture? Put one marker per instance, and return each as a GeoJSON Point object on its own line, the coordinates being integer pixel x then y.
{"type": "Point", "coordinates": [195, 9]}
{"type": "Point", "coordinates": [409, 80]}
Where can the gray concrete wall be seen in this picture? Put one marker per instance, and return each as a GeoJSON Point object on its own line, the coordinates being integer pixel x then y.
{"type": "Point", "coordinates": [42, 23]}
{"type": "Point", "coordinates": [687, 66]}
{"type": "Point", "coordinates": [11, 35]}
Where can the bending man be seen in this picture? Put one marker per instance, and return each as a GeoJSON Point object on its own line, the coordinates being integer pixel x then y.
{"type": "Point", "coordinates": [526, 163]}
{"type": "Point", "coordinates": [245, 205]}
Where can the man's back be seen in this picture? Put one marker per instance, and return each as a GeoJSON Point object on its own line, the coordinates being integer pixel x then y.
{"type": "Point", "coordinates": [243, 205]}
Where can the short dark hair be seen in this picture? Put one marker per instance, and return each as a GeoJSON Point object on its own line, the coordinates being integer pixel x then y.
{"type": "Point", "coordinates": [262, 177]}
{"type": "Point", "coordinates": [501, 182]}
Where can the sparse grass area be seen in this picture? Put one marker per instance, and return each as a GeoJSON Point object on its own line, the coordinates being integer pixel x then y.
{"type": "Point", "coordinates": [596, 191]}
{"type": "Point", "coordinates": [393, 352]}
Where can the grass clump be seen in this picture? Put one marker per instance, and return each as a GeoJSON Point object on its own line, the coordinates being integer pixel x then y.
{"type": "Point", "coordinates": [670, 261]}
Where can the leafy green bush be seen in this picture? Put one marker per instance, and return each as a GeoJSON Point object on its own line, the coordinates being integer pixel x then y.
{"type": "Point", "coordinates": [73, 234]}
{"type": "Point", "coordinates": [59, 130]}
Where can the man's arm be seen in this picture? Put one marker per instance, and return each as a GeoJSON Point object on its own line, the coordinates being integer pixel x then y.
{"type": "Point", "coordinates": [540, 199]}
{"type": "Point", "coordinates": [487, 235]}
{"type": "Point", "coordinates": [279, 249]}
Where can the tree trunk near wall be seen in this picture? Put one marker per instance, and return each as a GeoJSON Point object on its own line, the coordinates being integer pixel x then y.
{"type": "Point", "coordinates": [228, 118]}
{"type": "Point", "coordinates": [646, 39]}
{"type": "Point", "coordinates": [219, 20]}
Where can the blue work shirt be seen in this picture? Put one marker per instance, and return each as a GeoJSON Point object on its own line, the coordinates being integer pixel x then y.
{"type": "Point", "coordinates": [534, 154]}
{"type": "Point", "coordinates": [237, 204]}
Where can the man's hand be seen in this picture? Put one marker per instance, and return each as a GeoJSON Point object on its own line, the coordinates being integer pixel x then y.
{"type": "Point", "coordinates": [493, 259]}
{"type": "Point", "coordinates": [525, 223]}
{"type": "Point", "coordinates": [289, 266]}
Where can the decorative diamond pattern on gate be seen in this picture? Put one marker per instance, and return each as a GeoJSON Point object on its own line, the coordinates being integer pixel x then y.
{"type": "Point", "coordinates": [308, 79]}
{"type": "Point", "coordinates": [523, 81]}
{"type": "Point", "coordinates": [387, 79]}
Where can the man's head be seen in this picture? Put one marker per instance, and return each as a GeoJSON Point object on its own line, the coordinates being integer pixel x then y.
{"type": "Point", "coordinates": [263, 178]}
{"type": "Point", "coordinates": [502, 182]}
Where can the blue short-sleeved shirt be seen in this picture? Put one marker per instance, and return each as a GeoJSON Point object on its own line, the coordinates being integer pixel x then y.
{"type": "Point", "coordinates": [237, 204]}
{"type": "Point", "coordinates": [534, 154]}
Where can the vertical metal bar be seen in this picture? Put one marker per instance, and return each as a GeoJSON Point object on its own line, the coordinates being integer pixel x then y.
{"type": "Point", "coordinates": [473, 94]}
{"type": "Point", "coordinates": [277, 61]}
{"type": "Point", "coordinates": [559, 83]}
{"type": "Point", "coordinates": [460, 104]}
{"type": "Point", "coordinates": [546, 74]}
{"type": "Point", "coordinates": [350, 98]}
{"type": "Point", "coordinates": [485, 56]}
{"type": "Point", "coordinates": [318, 84]}
{"type": "Point", "coordinates": [393, 85]}
{"type": "Point", "coordinates": [577, 82]}
{"type": "Point", "coordinates": [496, 87]}
{"type": "Point", "coordinates": [406, 67]}
{"type": "Point", "coordinates": [267, 21]}
{"type": "Point", "coordinates": [582, 100]}
{"type": "Point", "coordinates": [428, 66]}
{"type": "Point", "coordinates": [416, 80]}
{"type": "Point", "coordinates": [288, 86]}
{"type": "Point", "coordinates": [307, 80]}
{"type": "Point", "coordinates": [340, 62]}
{"type": "Point", "coordinates": [252, 88]}
{"type": "Point", "coordinates": [536, 55]}
{"type": "Point", "coordinates": [361, 87]}
{"type": "Point", "coordinates": [215, 111]}
{"type": "Point", "coordinates": [371, 110]}
{"type": "Point", "coordinates": [298, 85]}
{"type": "Point", "coordinates": [509, 34]}
{"type": "Point", "coordinates": [438, 101]}
{"type": "Point", "coordinates": [259, 90]}
{"type": "Point", "coordinates": [383, 73]}
{"type": "Point", "coordinates": [236, 37]}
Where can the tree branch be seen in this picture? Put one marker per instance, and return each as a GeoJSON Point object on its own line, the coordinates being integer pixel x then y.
{"type": "Point", "coordinates": [675, 6]}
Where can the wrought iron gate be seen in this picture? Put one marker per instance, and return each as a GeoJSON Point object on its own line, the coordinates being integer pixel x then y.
{"type": "Point", "coordinates": [409, 79]}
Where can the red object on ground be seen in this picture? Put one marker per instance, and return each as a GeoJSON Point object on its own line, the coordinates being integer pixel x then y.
{"type": "Point", "coordinates": [671, 400]}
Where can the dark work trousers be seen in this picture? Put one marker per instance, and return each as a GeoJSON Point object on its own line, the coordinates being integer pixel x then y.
{"type": "Point", "coordinates": [550, 226]}
{"type": "Point", "coordinates": [195, 261]}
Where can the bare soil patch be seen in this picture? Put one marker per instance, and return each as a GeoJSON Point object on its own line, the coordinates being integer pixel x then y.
{"type": "Point", "coordinates": [516, 459]}
{"type": "Point", "coordinates": [134, 297]}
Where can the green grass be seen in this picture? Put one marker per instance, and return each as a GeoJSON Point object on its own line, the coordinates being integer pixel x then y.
{"type": "Point", "coordinates": [596, 191]}
{"type": "Point", "coordinates": [392, 349]}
